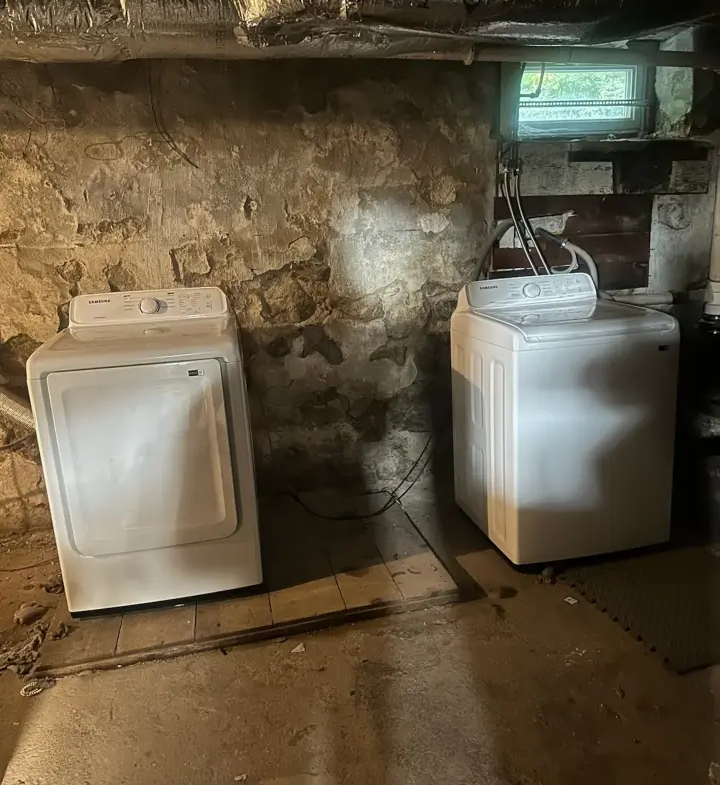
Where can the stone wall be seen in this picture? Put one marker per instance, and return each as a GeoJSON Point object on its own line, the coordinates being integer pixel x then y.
{"type": "Point", "coordinates": [340, 206]}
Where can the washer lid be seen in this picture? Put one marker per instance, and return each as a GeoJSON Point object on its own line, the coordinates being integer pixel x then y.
{"type": "Point", "coordinates": [522, 313]}
{"type": "Point", "coordinates": [579, 321]}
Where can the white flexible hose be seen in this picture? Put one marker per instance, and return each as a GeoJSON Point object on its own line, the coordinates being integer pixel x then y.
{"type": "Point", "coordinates": [644, 298]}
{"type": "Point", "coordinates": [493, 237]}
{"type": "Point", "coordinates": [16, 410]}
{"type": "Point", "coordinates": [589, 261]}
{"type": "Point", "coordinates": [571, 267]}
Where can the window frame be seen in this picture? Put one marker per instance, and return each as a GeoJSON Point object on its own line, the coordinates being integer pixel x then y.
{"type": "Point", "coordinates": [637, 125]}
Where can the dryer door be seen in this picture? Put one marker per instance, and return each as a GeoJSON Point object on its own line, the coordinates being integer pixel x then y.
{"type": "Point", "coordinates": [144, 455]}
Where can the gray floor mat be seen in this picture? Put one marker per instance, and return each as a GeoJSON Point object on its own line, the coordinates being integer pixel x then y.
{"type": "Point", "coordinates": [668, 600]}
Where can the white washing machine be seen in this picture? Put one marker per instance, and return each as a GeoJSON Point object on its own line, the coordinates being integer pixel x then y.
{"type": "Point", "coordinates": [563, 417]}
{"type": "Point", "coordinates": [142, 421]}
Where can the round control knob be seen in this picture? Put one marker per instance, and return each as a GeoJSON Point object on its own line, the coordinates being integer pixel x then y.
{"type": "Point", "coordinates": [531, 290]}
{"type": "Point", "coordinates": [149, 305]}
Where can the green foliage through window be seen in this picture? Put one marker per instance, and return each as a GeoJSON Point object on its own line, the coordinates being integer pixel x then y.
{"type": "Point", "coordinates": [567, 99]}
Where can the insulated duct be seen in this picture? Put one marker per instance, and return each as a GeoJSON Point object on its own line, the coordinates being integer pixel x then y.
{"type": "Point", "coordinates": [15, 410]}
{"type": "Point", "coordinates": [90, 30]}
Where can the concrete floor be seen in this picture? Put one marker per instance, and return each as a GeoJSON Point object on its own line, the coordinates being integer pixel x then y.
{"type": "Point", "coordinates": [519, 691]}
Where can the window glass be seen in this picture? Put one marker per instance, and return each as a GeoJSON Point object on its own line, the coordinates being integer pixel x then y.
{"type": "Point", "coordinates": [557, 100]}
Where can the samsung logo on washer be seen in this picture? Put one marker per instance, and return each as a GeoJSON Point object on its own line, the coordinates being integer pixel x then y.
{"type": "Point", "coordinates": [97, 302]}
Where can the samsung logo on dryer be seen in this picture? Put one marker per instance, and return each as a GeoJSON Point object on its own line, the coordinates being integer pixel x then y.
{"type": "Point", "coordinates": [97, 302]}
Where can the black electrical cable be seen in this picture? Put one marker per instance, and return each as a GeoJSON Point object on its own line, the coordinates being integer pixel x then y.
{"type": "Point", "coordinates": [412, 468]}
{"type": "Point", "coordinates": [419, 475]}
{"type": "Point", "coordinates": [16, 443]}
{"type": "Point", "coordinates": [159, 120]}
{"type": "Point", "coordinates": [550, 236]}
{"type": "Point", "coordinates": [394, 498]}
{"type": "Point", "coordinates": [27, 566]}
{"type": "Point", "coordinates": [536, 92]}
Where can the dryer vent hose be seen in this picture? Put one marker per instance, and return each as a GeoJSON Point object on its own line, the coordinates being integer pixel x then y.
{"type": "Point", "coordinates": [16, 410]}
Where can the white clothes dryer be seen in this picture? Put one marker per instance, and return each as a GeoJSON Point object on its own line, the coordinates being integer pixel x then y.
{"type": "Point", "coordinates": [142, 421]}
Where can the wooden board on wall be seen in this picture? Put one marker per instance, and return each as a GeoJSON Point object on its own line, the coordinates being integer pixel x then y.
{"type": "Point", "coordinates": [613, 228]}
{"type": "Point", "coordinates": [652, 166]}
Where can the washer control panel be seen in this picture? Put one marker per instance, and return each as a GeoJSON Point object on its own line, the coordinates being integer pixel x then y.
{"type": "Point", "coordinates": [152, 306]}
{"type": "Point", "coordinates": [547, 289]}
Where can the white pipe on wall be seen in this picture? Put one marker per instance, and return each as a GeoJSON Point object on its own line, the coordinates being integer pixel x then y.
{"type": "Point", "coordinates": [659, 298]}
{"type": "Point", "coordinates": [714, 273]}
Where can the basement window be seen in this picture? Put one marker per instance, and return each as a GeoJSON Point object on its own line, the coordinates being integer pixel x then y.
{"type": "Point", "coordinates": [580, 101]}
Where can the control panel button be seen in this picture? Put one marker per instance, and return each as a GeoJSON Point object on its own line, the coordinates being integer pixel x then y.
{"type": "Point", "coordinates": [531, 290]}
{"type": "Point", "coordinates": [149, 305]}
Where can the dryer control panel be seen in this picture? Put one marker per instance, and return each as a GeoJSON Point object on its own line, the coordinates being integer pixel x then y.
{"type": "Point", "coordinates": [157, 305]}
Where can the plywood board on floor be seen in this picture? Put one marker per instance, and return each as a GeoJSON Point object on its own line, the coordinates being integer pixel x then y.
{"type": "Point", "coordinates": [414, 568]}
{"type": "Point", "coordinates": [82, 641]}
{"type": "Point", "coordinates": [361, 573]}
{"type": "Point", "coordinates": [306, 600]}
{"type": "Point", "coordinates": [371, 585]}
{"type": "Point", "coordinates": [153, 629]}
{"type": "Point", "coordinates": [421, 575]}
{"type": "Point", "coordinates": [292, 546]}
{"type": "Point", "coordinates": [317, 573]}
{"type": "Point", "coordinates": [217, 619]}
